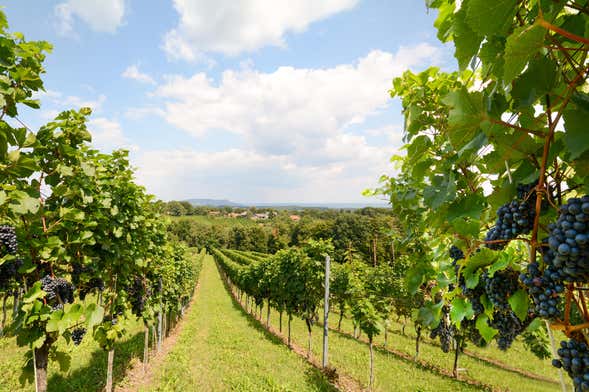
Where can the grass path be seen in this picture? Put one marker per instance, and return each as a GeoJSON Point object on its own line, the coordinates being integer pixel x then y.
{"type": "Point", "coordinates": [222, 349]}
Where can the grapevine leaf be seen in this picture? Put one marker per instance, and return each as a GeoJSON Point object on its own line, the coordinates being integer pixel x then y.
{"type": "Point", "coordinates": [38, 343]}
{"type": "Point", "coordinates": [486, 331]}
{"type": "Point", "coordinates": [466, 40]}
{"type": "Point", "coordinates": [521, 45]}
{"type": "Point", "coordinates": [491, 18]}
{"type": "Point", "coordinates": [444, 21]}
{"type": "Point", "coordinates": [429, 314]}
{"type": "Point", "coordinates": [576, 137]}
{"type": "Point", "coordinates": [64, 360]}
{"type": "Point", "coordinates": [23, 203]}
{"type": "Point", "coordinates": [491, 55]}
{"type": "Point", "coordinates": [34, 293]}
{"type": "Point", "coordinates": [479, 260]}
{"type": "Point", "coordinates": [461, 309]}
{"type": "Point", "coordinates": [465, 115]}
{"type": "Point", "coordinates": [520, 303]}
{"type": "Point", "coordinates": [536, 81]}
{"type": "Point", "coordinates": [466, 228]}
{"type": "Point", "coordinates": [470, 205]}
{"type": "Point", "coordinates": [443, 189]}
{"type": "Point", "coordinates": [94, 315]}
{"type": "Point", "coordinates": [502, 262]}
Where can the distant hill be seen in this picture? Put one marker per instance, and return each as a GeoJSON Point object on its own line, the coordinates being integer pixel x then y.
{"type": "Point", "coordinates": [285, 206]}
{"type": "Point", "coordinates": [214, 203]}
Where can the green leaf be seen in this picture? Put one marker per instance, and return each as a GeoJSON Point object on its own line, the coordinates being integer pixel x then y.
{"type": "Point", "coordinates": [539, 79]}
{"type": "Point", "coordinates": [486, 331]}
{"type": "Point", "coordinates": [94, 315]}
{"type": "Point", "coordinates": [34, 293]}
{"type": "Point", "coordinates": [466, 40]}
{"type": "Point", "coordinates": [491, 55]}
{"type": "Point", "coordinates": [64, 360]}
{"type": "Point", "coordinates": [519, 302]}
{"type": "Point", "coordinates": [521, 45]}
{"type": "Point", "coordinates": [470, 205]}
{"type": "Point", "coordinates": [491, 18]}
{"type": "Point", "coordinates": [443, 189]}
{"type": "Point", "coordinates": [38, 343]}
{"type": "Point", "coordinates": [467, 228]}
{"type": "Point", "coordinates": [476, 261]}
{"type": "Point", "coordinates": [22, 203]}
{"type": "Point", "coordinates": [465, 115]}
{"type": "Point", "coordinates": [461, 309]}
{"type": "Point", "coordinates": [576, 137]}
{"type": "Point", "coordinates": [429, 314]}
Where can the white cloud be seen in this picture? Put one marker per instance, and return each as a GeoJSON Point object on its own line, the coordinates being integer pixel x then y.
{"type": "Point", "coordinates": [301, 130]}
{"type": "Point", "coordinates": [289, 108]}
{"type": "Point", "coordinates": [99, 15]}
{"type": "Point", "coordinates": [132, 72]}
{"type": "Point", "coordinates": [232, 27]}
{"type": "Point", "coordinates": [244, 175]}
{"type": "Point", "coordinates": [107, 135]}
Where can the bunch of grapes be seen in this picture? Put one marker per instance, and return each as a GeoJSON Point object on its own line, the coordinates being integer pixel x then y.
{"type": "Point", "coordinates": [501, 286]}
{"type": "Point", "coordinates": [445, 330]}
{"type": "Point", "coordinates": [513, 219]}
{"type": "Point", "coordinates": [456, 254]}
{"type": "Point", "coordinates": [574, 358]}
{"type": "Point", "coordinates": [78, 335]}
{"type": "Point", "coordinates": [469, 330]}
{"type": "Point", "coordinates": [569, 241]}
{"type": "Point", "coordinates": [508, 325]}
{"type": "Point", "coordinates": [8, 240]}
{"type": "Point", "coordinates": [474, 295]}
{"type": "Point", "coordinates": [524, 190]}
{"type": "Point", "coordinates": [8, 246]}
{"type": "Point", "coordinates": [545, 289]}
{"type": "Point", "coordinates": [138, 293]}
{"type": "Point", "coordinates": [94, 283]}
{"type": "Point", "coordinates": [59, 291]}
{"type": "Point", "coordinates": [77, 270]}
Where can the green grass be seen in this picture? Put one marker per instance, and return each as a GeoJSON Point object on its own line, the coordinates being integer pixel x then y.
{"type": "Point", "coordinates": [221, 348]}
{"type": "Point", "coordinates": [351, 356]}
{"type": "Point", "coordinates": [485, 372]}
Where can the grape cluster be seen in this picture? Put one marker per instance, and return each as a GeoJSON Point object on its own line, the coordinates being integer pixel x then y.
{"type": "Point", "coordinates": [569, 241]}
{"type": "Point", "coordinates": [456, 253]}
{"type": "Point", "coordinates": [94, 283]}
{"type": "Point", "coordinates": [445, 331]}
{"type": "Point", "coordinates": [474, 295]}
{"type": "Point", "coordinates": [524, 190]}
{"type": "Point", "coordinates": [8, 240]}
{"type": "Point", "coordinates": [501, 286]}
{"type": "Point", "coordinates": [544, 288]}
{"type": "Point", "coordinates": [59, 291]}
{"type": "Point", "coordinates": [574, 358]}
{"type": "Point", "coordinates": [138, 293]}
{"type": "Point", "coordinates": [508, 326]}
{"type": "Point", "coordinates": [8, 246]}
{"type": "Point", "coordinates": [513, 219]}
{"type": "Point", "coordinates": [78, 335]}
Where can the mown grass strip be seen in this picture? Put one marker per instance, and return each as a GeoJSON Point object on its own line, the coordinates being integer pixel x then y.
{"type": "Point", "coordinates": [221, 349]}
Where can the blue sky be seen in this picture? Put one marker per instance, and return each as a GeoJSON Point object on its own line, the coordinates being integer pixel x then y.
{"type": "Point", "coordinates": [249, 100]}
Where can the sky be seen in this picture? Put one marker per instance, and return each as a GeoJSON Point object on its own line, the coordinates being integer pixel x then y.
{"type": "Point", "coordinates": [249, 100]}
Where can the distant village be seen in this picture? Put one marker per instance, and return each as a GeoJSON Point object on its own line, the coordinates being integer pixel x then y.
{"type": "Point", "coordinates": [250, 215]}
